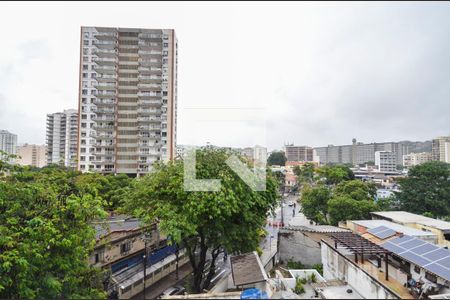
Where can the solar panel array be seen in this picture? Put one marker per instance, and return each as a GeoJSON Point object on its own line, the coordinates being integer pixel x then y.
{"type": "Point", "coordinates": [382, 232]}
{"type": "Point", "coordinates": [428, 256]}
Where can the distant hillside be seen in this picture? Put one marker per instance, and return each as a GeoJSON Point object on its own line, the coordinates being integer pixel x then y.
{"type": "Point", "coordinates": [417, 147]}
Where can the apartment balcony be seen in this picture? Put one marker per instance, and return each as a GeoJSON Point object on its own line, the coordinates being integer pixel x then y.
{"type": "Point", "coordinates": [147, 103]}
{"type": "Point", "coordinates": [105, 86]}
{"type": "Point", "coordinates": [105, 110]}
{"type": "Point", "coordinates": [104, 52]}
{"type": "Point", "coordinates": [105, 44]}
{"type": "Point", "coordinates": [104, 118]}
{"type": "Point", "coordinates": [150, 62]}
{"type": "Point", "coordinates": [106, 35]}
{"type": "Point", "coordinates": [104, 69]}
{"type": "Point", "coordinates": [146, 52]}
{"type": "Point", "coordinates": [149, 111]}
{"type": "Point", "coordinates": [144, 128]}
{"type": "Point", "coordinates": [103, 128]}
{"type": "Point", "coordinates": [104, 102]}
{"type": "Point", "coordinates": [105, 61]}
{"type": "Point", "coordinates": [105, 94]}
{"type": "Point", "coordinates": [149, 94]}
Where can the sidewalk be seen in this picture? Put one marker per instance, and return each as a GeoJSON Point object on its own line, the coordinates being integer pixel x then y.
{"type": "Point", "coordinates": [160, 286]}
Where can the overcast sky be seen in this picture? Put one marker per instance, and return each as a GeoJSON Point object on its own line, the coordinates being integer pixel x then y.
{"type": "Point", "coordinates": [318, 73]}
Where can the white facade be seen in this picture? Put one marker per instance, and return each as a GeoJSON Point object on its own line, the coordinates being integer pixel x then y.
{"type": "Point", "coordinates": [8, 143]}
{"type": "Point", "coordinates": [127, 99]}
{"type": "Point", "coordinates": [386, 161]}
{"type": "Point", "coordinates": [439, 148]}
{"type": "Point", "coordinates": [32, 155]}
{"type": "Point", "coordinates": [62, 138]}
{"type": "Point", "coordinates": [415, 159]}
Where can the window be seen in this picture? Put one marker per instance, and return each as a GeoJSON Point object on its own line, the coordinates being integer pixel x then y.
{"type": "Point", "coordinates": [83, 125]}
{"type": "Point", "coordinates": [82, 158]}
{"type": "Point", "coordinates": [417, 269]}
{"type": "Point", "coordinates": [83, 150]}
{"type": "Point", "coordinates": [85, 67]}
{"type": "Point", "coordinates": [99, 256]}
{"type": "Point", "coordinates": [93, 75]}
{"type": "Point", "coordinates": [85, 75]}
{"type": "Point", "coordinates": [431, 277]}
{"type": "Point", "coordinates": [125, 247]}
{"type": "Point", "coordinates": [86, 42]}
{"type": "Point", "coordinates": [166, 44]}
{"type": "Point", "coordinates": [86, 35]}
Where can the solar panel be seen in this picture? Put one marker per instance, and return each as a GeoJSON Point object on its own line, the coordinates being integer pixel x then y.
{"type": "Point", "coordinates": [439, 270]}
{"type": "Point", "coordinates": [377, 229]}
{"type": "Point", "coordinates": [438, 254]}
{"type": "Point", "coordinates": [418, 260]}
{"type": "Point", "coordinates": [444, 262]}
{"type": "Point", "coordinates": [424, 249]}
{"type": "Point", "coordinates": [402, 239]}
{"type": "Point", "coordinates": [385, 234]}
{"type": "Point", "coordinates": [393, 248]}
{"type": "Point", "coordinates": [411, 244]}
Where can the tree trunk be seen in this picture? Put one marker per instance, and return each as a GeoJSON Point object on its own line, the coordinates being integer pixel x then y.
{"type": "Point", "coordinates": [198, 269]}
{"type": "Point", "coordinates": [212, 269]}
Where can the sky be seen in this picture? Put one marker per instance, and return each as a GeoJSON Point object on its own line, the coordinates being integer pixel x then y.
{"type": "Point", "coordinates": [250, 73]}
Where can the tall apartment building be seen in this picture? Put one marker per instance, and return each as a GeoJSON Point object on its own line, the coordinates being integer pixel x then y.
{"type": "Point", "coordinates": [32, 155]}
{"type": "Point", "coordinates": [359, 153]}
{"type": "Point", "coordinates": [61, 141]}
{"type": "Point", "coordinates": [127, 99]}
{"type": "Point", "coordinates": [438, 148]}
{"type": "Point", "coordinates": [386, 161]}
{"type": "Point", "coordinates": [256, 153]}
{"type": "Point", "coordinates": [298, 153]}
{"type": "Point", "coordinates": [415, 159]}
{"type": "Point", "coordinates": [8, 144]}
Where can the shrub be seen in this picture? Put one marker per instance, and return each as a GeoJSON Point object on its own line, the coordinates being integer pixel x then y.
{"type": "Point", "coordinates": [299, 289]}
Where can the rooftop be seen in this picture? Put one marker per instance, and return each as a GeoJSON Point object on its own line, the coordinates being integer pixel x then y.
{"type": "Point", "coordinates": [247, 269]}
{"type": "Point", "coordinates": [370, 224]}
{"type": "Point", "coordinates": [407, 217]}
{"type": "Point", "coordinates": [115, 224]}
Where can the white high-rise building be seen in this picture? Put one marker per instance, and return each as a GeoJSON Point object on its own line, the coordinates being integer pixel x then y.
{"type": "Point", "coordinates": [438, 148]}
{"type": "Point", "coordinates": [32, 155]}
{"type": "Point", "coordinates": [8, 144]}
{"type": "Point", "coordinates": [386, 161]}
{"type": "Point", "coordinates": [62, 138]}
{"type": "Point", "coordinates": [127, 99]}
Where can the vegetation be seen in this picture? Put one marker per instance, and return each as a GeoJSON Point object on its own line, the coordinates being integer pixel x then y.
{"type": "Point", "coordinates": [46, 234]}
{"type": "Point", "coordinates": [299, 289]}
{"type": "Point", "coordinates": [426, 189]}
{"type": "Point", "coordinates": [296, 265]}
{"type": "Point", "coordinates": [204, 222]}
{"type": "Point", "coordinates": [277, 158]}
{"type": "Point", "coordinates": [318, 268]}
{"type": "Point", "coordinates": [332, 175]}
{"type": "Point", "coordinates": [305, 173]}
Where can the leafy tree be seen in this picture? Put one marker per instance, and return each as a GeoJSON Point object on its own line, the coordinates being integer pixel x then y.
{"type": "Point", "coordinates": [305, 173]}
{"type": "Point", "coordinates": [46, 236]}
{"type": "Point", "coordinates": [335, 174]}
{"type": "Point", "coordinates": [277, 158]}
{"type": "Point", "coordinates": [426, 189]}
{"type": "Point", "coordinates": [356, 189]}
{"type": "Point", "coordinates": [314, 202]}
{"type": "Point", "coordinates": [204, 221]}
{"type": "Point", "coordinates": [345, 208]}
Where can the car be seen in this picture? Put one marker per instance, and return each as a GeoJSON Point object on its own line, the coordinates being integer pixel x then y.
{"type": "Point", "coordinates": [173, 290]}
{"type": "Point", "coordinates": [291, 203]}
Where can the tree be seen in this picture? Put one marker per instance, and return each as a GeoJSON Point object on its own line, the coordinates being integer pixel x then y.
{"type": "Point", "coordinates": [335, 174]}
{"type": "Point", "coordinates": [426, 189]}
{"type": "Point", "coordinates": [46, 236]}
{"type": "Point", "coordinates": [277, 158]}
{"type": "Point", "coordinates": [343, 208]}
{"type": "Point", "coordinates": [314, 202]}
{"type": "Point", "coordinates": [356, 189]}
{"type": "Point", "coordinates": [204, 221]}
{"type": "Point", "coordinates": [305, 173]}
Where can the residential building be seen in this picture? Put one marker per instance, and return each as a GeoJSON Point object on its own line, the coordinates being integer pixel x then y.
{"type": "Point", "coordinates": [415, 159]}
{"type": "Point", "coordinates": [439, 148]}
{"type": "Point", "coordinates": [386, 161]}
{"type": "Point", "coordinates": [298, 153]}
{"type": "Point", "coordinates": [61, 140]}
{"type": "Point", "coordinates": [8, 144]}
{"type": "Point", "coordinates": [32, 155]}
{"type": "Point", "coordinates": [359, 153]}
{"type": "Point", "coordinates": [255, 154]}
{"type": "Point", "coordinates": [438, 227]}
{"type": "Point", "coordinates": [127, 99]}
{"type": "Point", "coordinates": [119, 250]}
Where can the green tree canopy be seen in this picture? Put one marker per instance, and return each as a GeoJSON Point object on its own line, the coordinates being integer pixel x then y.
{"type": "Point", "coordinates": [276, 158]}
{"type": "Point", "coordinates": [305, 172]}
{"type": "Point", "coordinates": [426, 189]}
{"type": "Point", "coordinates": [335, 174]}
{"type": "Point", "coordinates": [315, 203]}
{"type": "Point", "coordinates": [342, 208]}
{"type": "Point", "coordinates": [46, 236]}
{"type": "Point", "coordinates": [204, 221]}
{"type": "Point", "coordinates": [356, 189]}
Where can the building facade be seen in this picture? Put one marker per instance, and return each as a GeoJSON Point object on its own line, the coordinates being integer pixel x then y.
{"type": "Point", "coordinates": [32, 155]}
{"type": "Point", "coordinates": [386, 161]}
{"type": "Point", "coordinates": [61, 140]}
{"type": "Point", "coordinates": [127, 99]}
{"type": "Point", "coordinates": [256, 154]}
{"type": "Point", "coordinates": [359, 153]}
{"type": "Point", "coordinates": [415, 159]}
{"type": "Point", "coordinates": [440, 148]}
{"type": "Point", "coordinates": [8, 143]}
{"type": "Point", "coordinates": [299, 153]}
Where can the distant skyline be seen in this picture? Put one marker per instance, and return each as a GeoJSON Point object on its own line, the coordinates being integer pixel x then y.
{"type": "Point", "coordinates": [324, 73]}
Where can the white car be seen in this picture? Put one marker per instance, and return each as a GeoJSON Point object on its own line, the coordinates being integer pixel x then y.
{"type": "Point", "coordinates": [291, 203]}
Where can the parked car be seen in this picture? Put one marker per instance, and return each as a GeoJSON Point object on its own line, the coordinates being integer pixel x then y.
{"type": "Point", "coordinates": [173, 290]}
{"type": "Point", "coordinates": [291, 203]}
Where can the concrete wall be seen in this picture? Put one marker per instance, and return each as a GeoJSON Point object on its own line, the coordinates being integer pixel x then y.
{"type": "Point", "coordinates": [300, 246]}
{"type": "Point", "coordinates": [336, 266]}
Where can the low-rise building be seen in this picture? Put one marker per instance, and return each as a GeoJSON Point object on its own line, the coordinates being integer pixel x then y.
{"type": "Point", "coordinates": [415, 159]}
{"type": "Point", "coordinates": [439, 227]}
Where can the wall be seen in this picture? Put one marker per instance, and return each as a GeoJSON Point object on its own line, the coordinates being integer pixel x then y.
{"type": "Point", "coordinates": [336, 266]}
{"type": "Point", "coordinates": [300, 246]}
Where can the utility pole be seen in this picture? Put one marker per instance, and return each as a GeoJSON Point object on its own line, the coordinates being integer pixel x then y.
{"type": "Point", "coordinates": [146, 238]}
